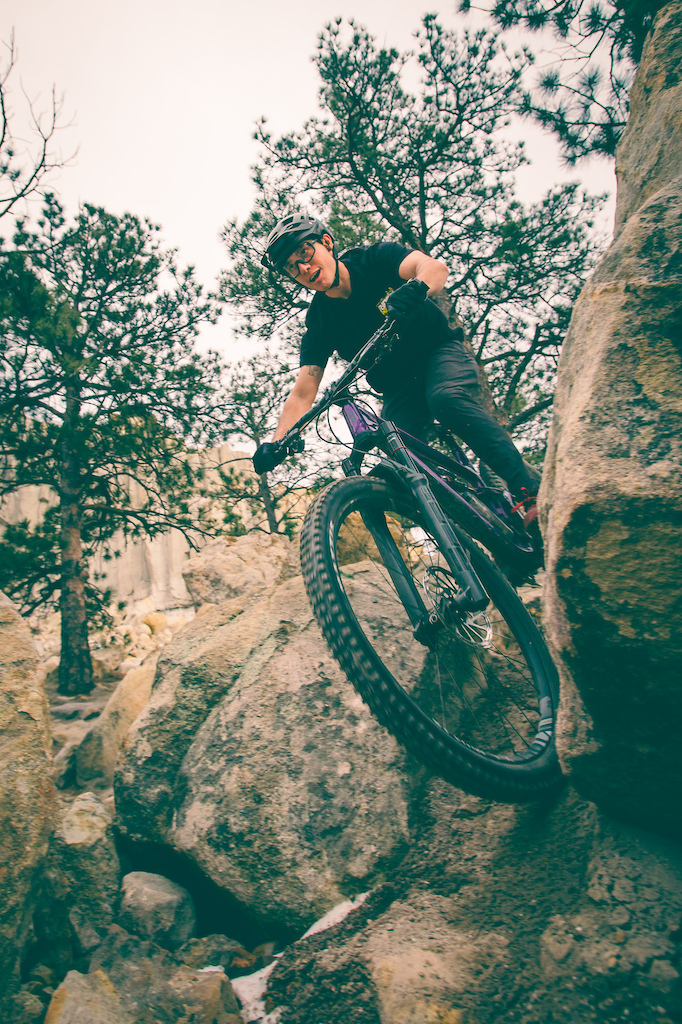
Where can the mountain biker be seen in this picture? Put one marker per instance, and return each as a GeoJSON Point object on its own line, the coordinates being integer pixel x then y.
{"type": "Point", "coordinates": [429, 376]}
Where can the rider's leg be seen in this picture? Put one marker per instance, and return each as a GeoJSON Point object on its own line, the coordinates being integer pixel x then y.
{"type": "Point", "coordinates": [405, 404]}
{"type": "Point", "coordinates": [452, 394]}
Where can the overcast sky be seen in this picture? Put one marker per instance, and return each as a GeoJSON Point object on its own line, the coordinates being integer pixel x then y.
{"type": "Point", "coordinates": [162, 96]}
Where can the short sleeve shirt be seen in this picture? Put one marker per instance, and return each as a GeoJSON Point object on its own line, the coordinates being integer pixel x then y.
{"type": "Point", "coordinates": [344, 325]}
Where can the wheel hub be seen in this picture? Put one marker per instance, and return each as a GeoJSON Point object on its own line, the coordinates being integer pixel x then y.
{"type": "Point", "coordinates": [441, 590]}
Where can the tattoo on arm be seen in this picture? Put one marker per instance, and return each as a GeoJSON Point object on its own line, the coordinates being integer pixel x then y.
{"type": "Point", "coordinates": [314, 371]}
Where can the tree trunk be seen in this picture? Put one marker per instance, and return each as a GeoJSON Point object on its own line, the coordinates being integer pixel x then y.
{"type": "Point", "coordinates": [75, 666]}
{"type": "Point", "coordinates": [268, 504]}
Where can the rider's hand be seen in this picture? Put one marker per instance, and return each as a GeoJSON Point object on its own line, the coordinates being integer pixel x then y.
{"type": "Point", "coordinates": [267, 456]}
{"type": "Point", "coordinates": [404, 302]}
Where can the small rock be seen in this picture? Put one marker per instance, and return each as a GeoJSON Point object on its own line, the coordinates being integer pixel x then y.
{"type": "Point", "coordinates": [43, 974]}
{"type": "Point", "coordinates": [217, 950]}
{"type": "Point", "coordinates": [663, 975]}
{"type": "Point", "coordinates": [64, 767]}
{"type": "Point", "coordinates": [86, 997]}
{"type": "Point", "coordinates": [265, 953]}
{"type": "Point", "coordinates": [129, 663]}
{"type": "Point", "coordinates": [157, 622]}
{"type": "Point", "coordinates": [27, 1007]}
{"type": "Point", "coordinates": [155, 908]}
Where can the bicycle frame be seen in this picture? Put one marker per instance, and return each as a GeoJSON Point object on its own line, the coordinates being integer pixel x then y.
{"type": "Point", "coordinates": [388, 439]}
{"type": "Point", "coordinates": [362, 421]}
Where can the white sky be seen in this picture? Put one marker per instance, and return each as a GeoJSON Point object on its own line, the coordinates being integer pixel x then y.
{"type": "Point", "coordinates": [162, 97]}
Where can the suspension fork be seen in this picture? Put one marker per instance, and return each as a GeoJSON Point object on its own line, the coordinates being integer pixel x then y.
{"type": "Point", "coordinates": [411, 599]}
{"type": "Point", "coordinates": [472, 596]}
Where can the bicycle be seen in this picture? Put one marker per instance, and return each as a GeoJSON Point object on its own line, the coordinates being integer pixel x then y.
{"type": "Point", "coordinates": [426, 627]}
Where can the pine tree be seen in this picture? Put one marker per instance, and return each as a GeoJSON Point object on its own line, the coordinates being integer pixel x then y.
{"type": "Point", "coordinates": [582, 95]}
{"type": "Point", "coordinates": [102, 399]}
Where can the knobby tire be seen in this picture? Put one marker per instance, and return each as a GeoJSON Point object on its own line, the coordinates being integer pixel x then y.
{"type": "Point", "coordinates": [478, 709]}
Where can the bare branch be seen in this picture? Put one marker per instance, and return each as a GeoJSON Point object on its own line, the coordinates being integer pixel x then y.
{"type": "Point", "coordinates": [19, 181]}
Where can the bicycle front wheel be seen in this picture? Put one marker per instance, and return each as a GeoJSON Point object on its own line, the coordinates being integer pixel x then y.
{"type": "Point", "coordinates": [477, 705]}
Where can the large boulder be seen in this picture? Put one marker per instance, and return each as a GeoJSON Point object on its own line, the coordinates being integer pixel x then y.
{"type": "Point", "coordinates": [256, 759]}
{"type": "Point", "coordinates": [226, 569]}
{"type": "Point", "coordinates": [80, 885]}
{"type": "Point", "coordinates": [612, 489]}
{"type": "Point", "coordinates": [27, 794]}
{"type": "Point", "coordinates": [98, 751]}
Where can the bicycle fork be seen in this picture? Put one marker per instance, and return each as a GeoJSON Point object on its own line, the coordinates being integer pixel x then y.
{"type": "Point", "coordinates": [471, 597]}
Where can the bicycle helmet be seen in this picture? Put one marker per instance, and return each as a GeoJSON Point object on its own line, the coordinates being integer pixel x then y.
{"type": "Point", "coordinates": [288, 234]}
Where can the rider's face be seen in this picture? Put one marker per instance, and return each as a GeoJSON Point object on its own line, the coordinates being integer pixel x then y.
{"type": "Point", "coordinates": [319, 272]}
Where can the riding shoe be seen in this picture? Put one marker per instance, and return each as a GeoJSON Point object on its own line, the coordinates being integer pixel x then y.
{"type": "Point", "coordinates": [528, 503]}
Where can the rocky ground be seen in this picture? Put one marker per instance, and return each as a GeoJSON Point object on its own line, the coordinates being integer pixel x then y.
{"type": "Point", "coordinates": [535, 914]}
{"type": "Point", "coordinates": [472, 911]}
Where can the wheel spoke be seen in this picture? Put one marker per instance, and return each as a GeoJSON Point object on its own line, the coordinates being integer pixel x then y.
{"type": "Point", "coordinates": [470, 655]}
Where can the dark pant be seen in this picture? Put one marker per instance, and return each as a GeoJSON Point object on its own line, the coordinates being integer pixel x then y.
{"type": "Point", "coordinates": [447, 389]}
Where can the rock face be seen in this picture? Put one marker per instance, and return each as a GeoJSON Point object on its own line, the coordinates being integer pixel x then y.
{"type": "Point", "coordinates": [27, 794]}
{"type": "Point", "coordinates": [612, 488]}
{"type": "Point", "coordinates": [256, 759]}
{"type": "Point", "coordinates": [501, 914]}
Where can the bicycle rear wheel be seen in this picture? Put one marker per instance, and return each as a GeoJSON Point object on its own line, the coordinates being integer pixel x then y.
{"type": "Point", "coordinates": [477, 706]}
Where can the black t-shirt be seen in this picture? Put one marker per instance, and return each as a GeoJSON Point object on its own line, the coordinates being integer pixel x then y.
{"type": "Point", "coordinates": [344, 325]}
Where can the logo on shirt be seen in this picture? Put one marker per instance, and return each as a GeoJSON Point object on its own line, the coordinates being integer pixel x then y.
{"type": "Point", "coordinates": [381, 304]}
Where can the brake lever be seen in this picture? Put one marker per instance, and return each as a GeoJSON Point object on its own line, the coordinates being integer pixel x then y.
{"type": "Point", "coordinates": [296, 446]}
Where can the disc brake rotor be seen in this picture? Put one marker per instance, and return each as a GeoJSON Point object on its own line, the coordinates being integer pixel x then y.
{"type": "Point", "coordinates": [440, 587]}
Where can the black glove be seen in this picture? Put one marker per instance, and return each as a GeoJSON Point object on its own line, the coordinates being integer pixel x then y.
{"type": "Point", "coordinates": [267, 456]}
{"type": "Point", "coordinates": [404, 302]}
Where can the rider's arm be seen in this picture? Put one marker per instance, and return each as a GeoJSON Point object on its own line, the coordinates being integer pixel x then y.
{"type": "Point", "coordinates": [301, 399]}
{"type": "Point", "coordinates": [432, 272]}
